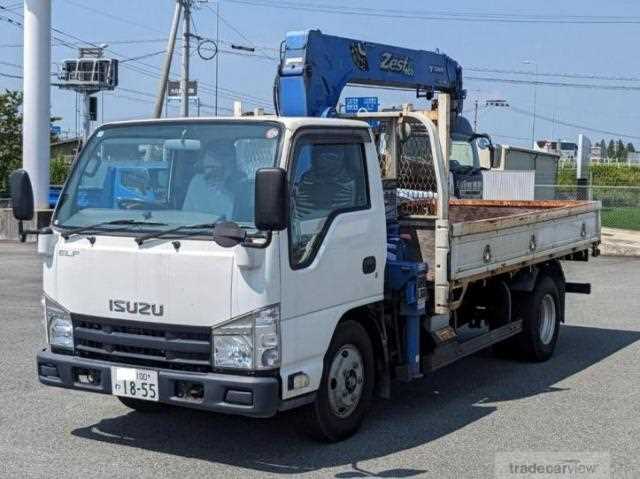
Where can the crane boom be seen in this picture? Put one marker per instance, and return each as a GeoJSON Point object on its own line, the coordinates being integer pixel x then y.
{"type": "Point", "coordinates": [315, 68]}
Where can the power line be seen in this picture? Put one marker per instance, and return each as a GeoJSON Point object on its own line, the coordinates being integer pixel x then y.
{"type": "Point", "coordinates": [12, 65]}
{"type": "Point", "coordinates": [113, 17]}
{"type": "Point", "coordinates": [108, 42]}
{"type": "Point", "coordinates": [555, 84]}
{"type": "Point", "coordinates": [510, 137]}
{"type": "Point", "coordinates": [145, 69]}
{"type": "Point", "coordinates": [8, 75]}
{"type": "Point", "coordinates": [147, 55]}
{"type": "Point", "coordinates": [238, 32]}
{"type": "Point", "coordinates": [584, 76]}
{"type": "Point", "coordinates": [444, 16]}
{"type": "Point", "coordinates": [573, 125]}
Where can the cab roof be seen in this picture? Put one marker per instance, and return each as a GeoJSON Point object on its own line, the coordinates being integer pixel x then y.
{"type": "Point", "coordinates": [291, 123]}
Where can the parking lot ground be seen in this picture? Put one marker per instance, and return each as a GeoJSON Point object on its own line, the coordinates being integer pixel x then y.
{"type": "Point", "coordinates": [451, 424]}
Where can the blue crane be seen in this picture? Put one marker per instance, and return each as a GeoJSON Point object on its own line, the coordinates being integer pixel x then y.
{"type": "Point", "coordinates": [315, 68]}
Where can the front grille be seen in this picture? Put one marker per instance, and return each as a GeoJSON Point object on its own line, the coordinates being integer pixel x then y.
{"type": "Point", "coordinates": [185, 348]}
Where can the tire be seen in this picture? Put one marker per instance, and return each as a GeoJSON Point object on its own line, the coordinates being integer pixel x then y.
{"type": "Point", "coordinates": [145, 407]}
{"type": "Point", "coordinates": [336, 414]}
{"type": "Point", "coordinates": [540, 312]}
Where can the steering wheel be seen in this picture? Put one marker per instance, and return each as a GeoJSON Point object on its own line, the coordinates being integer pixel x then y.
{"type": "Point", "coordinates": [137, 204]}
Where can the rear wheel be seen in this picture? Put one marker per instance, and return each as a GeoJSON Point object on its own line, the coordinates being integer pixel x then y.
{"type": "Point", "coordinates": [540, 312]}
{"type": "Point", "coordinates": [147, 407]}
{"type": "Point", "coordinates": [346, 388]}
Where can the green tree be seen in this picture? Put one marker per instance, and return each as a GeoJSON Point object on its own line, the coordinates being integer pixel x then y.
{"type": "Point", "coordinates": [631, 148]}
{"type": "Point", "coordinates": [611, 150]}
{"type": "Point", "coordinates": [603, 149]}
{"type": "Point", "coordinates": [621, 151]}
{"type": "Point", "coordinates": [59, 170]}
{"type": "Point", "coordinates": [10, 135]}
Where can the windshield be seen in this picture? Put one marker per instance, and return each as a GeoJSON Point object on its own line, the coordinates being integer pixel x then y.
{"type": "Point", "coordinates": [168, 174]}
{"type": "Point", "coordinates": [463, 153]}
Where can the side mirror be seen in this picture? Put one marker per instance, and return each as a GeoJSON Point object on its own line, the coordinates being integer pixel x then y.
{"type": "Point", "coordinates": [22, 202]}
{"type": "Point", "coordinates": [271, 199]}
{"type": "Point", "coordinates": [404, 132]}
{"type": "Point", "coordinates": [21, 195]}
{"type": "Point", "coordinates": [483, 143]}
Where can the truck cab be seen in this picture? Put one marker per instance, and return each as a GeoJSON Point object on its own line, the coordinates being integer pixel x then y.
{"type": "Point", "coordinates": [232, 317]}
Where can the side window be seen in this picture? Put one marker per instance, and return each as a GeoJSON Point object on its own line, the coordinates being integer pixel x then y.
{"type": "Point", "coordinates": [326, 180]}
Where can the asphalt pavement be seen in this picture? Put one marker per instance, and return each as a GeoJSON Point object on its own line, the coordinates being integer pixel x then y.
{"type": "Point", "coordinates": [451, 424]}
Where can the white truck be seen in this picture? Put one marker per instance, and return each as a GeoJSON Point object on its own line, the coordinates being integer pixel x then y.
{"type": "Point", "coordinates": [302, 300]}
{"type": "Point", "coordinates": [257, 264]}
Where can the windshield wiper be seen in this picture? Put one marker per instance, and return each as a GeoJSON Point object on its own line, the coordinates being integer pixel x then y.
{"type": "Point", "coordinates": [157, 234]}
{"type": "Point", "coordinates": [84, 229]}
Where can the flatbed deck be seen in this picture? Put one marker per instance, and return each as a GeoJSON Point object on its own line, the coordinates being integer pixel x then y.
{"type": "Point", "coordinates": [490, 237]}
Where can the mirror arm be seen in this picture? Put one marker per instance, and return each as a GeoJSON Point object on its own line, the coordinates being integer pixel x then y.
{"type": "Point", "coordinates": [23, 233]}
{"type": "Point", "coordinates": [266, 236]}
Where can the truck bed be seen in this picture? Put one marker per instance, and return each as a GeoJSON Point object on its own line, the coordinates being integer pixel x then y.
{"type": "Point", "coordinates": [489, 237]}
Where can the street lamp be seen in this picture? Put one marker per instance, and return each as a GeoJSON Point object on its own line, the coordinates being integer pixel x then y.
{"type": "Point", "coordinates": [535, 93]}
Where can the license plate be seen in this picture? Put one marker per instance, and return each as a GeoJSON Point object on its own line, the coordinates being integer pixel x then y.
{"type": "Point", "coordinates": [135, 383]}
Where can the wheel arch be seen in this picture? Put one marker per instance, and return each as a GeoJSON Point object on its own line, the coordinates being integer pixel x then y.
{"type": "Point", "coordinates": [371, 318]}
{"type": "Point", "coordinates": [525, 280]}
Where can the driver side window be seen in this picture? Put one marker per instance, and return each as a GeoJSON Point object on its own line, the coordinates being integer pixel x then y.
{"type": "Point", "coordinates": [326, 180]}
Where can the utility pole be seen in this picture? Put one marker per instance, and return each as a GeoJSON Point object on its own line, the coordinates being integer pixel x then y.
{"type": "Point", "coordinates": [171, 45]}
{"type": "Point", "coordinates": [535, 102]}
{"type": "Point", "coordinates": [217, 56]}
{"type": "Point", "coordinates": [495, 102]}
{"type": "Point", "coordinates": [475, 116]}
{"type": "Point", "coordinates": [186, 33]}
{"type": "Point", "coordinates": [86, 116]}
{"type": "Point", "coordinates": [37, 99]}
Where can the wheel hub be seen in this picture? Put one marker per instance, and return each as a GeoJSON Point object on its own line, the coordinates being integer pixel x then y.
{"type": "Point", "coordinates": [547, 319]}
{"type": "Point", "coordinates": [346, 381]}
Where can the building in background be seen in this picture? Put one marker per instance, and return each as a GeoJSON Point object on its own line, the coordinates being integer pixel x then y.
{"type": "Point", "coordinates": [567, 150]}
{"type": "Point", "coordinates": [597, 155]}
{"type": "Point", "coordinates": [633, 158]}
{"type": "Point", "coordinates": [67, 148]}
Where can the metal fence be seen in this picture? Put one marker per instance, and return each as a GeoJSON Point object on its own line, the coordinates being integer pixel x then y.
{"type": "Point", "coordinates": [620, 204]}
{"type": "Point", "coordinates": [413, 170]}
{"type": "Point", "coordinates": [617, 186]}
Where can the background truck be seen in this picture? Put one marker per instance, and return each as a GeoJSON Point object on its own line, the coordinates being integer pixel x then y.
{"type": "Point", "coordinates": [296, 261]}
{"type": "Point", "coordinates": [516, 158]}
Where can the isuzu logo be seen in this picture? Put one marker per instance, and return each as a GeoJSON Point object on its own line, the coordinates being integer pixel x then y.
{"type": "Point", "coordinates": [135, 307]}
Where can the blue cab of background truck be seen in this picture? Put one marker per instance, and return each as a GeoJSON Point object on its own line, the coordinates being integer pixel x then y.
{"type": "Point", "coordinates": [120, 183]}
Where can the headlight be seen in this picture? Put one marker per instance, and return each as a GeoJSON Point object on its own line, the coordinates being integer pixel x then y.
{"type": "Point", "coordinates": [251, 341]}
{"type": "Point", "coordinates": [59, 327]}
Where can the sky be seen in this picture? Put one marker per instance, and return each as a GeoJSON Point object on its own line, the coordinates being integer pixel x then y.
{"type": "Point", "coordinates": [567, 37]}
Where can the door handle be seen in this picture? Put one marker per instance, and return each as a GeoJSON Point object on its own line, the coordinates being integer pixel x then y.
{"type": "Point", "coordinates": [369, 265]}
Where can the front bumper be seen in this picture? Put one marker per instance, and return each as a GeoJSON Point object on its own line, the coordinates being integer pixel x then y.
{"type": "Point", "coordinates": [243, 395]}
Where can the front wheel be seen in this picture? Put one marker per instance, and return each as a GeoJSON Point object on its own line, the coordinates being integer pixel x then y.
{"type": "Point", "coordinates": [346, 388]}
